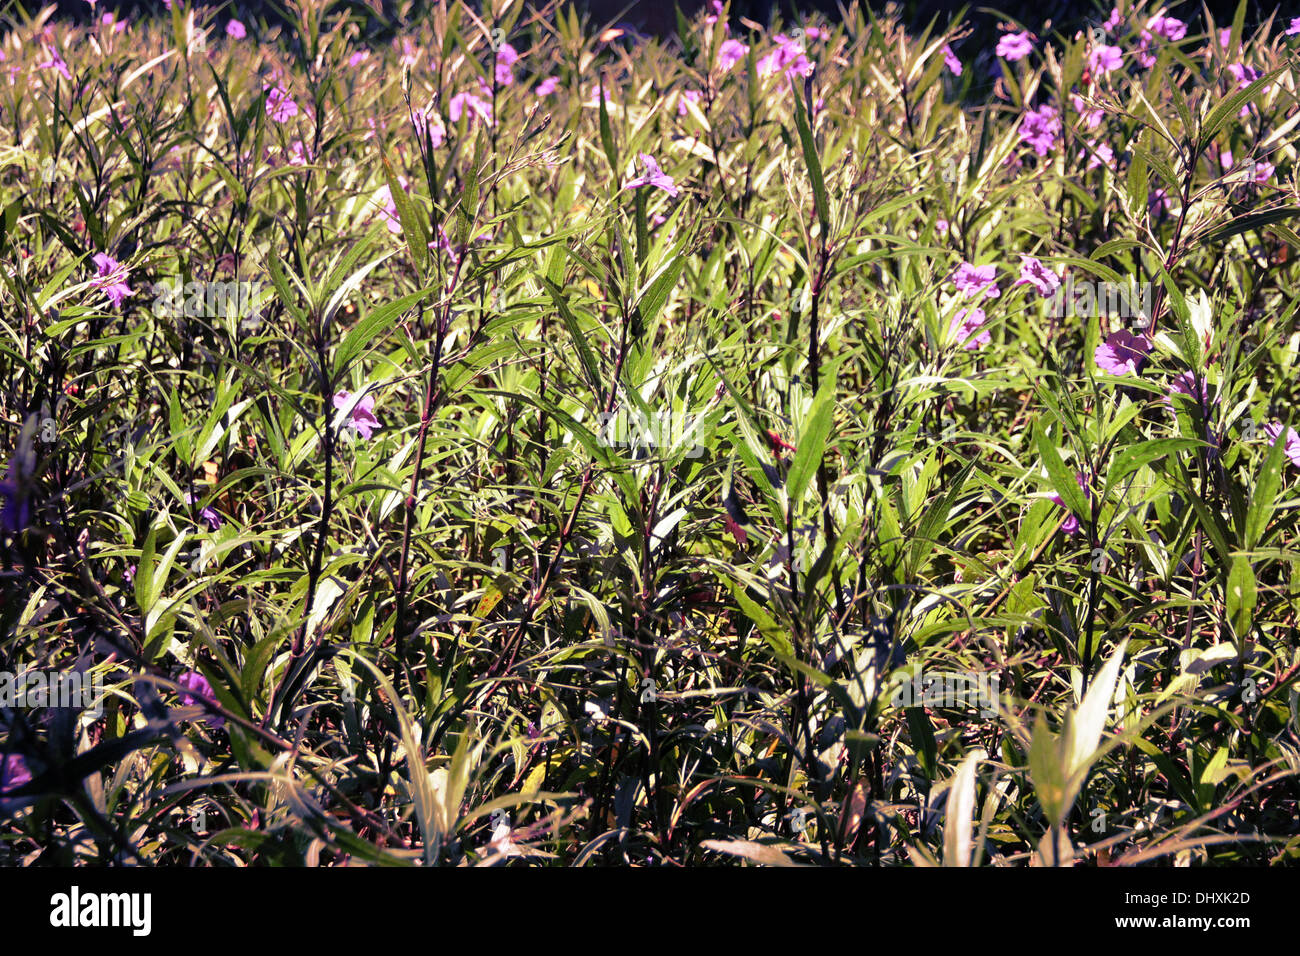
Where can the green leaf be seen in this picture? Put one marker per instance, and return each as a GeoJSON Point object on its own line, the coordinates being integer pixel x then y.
{"type": "Point", "coordinates": [1239, 599]}
{"type": "Point", "coordinates": [1063, 481]}
{"type": "Point", "coordinates": [1264, 495]}
{"type": "Point", "coordinates": [812, 161]}
{"type": "Point", "coordinates": [812, 442]}
{"type": "Point", "coordinates": [384, 317]}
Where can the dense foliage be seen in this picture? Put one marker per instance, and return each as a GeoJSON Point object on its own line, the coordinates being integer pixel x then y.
{"type": "Point", "coordinates": [534, 442]}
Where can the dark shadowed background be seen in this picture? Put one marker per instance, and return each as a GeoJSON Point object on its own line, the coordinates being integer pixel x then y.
{"type": "Point", "coordinates": [659, 17]}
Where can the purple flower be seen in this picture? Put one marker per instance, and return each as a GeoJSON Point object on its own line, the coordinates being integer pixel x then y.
{"type": "Point", "coordinates": [1292, 449]}
{"type": "Point", "coordinates": [1145, 57]}
{"type": "Point", "coordinates": [1294, 28]}
{"type": "Point", "coordinates": [198, 688]}
{"type": "Point", "coordinates": [17, 511]}
{"type": "Point", "coordinates": [1040, 128]}
{"type": "Point", "coordinates": [235, 30]}
{"type": "Point", "coordinates": [363, 418]}
{"type": "Point", "coordinates": [55, 62]}
{"type": "Point", "coordinates": [968, 324]}
{"type": "Point", "coordinates": [1033, 272]}
{"type": "Point", "coordinates": [1170, 28]}
{"type": "Point", "coordinates": [941, 226]}
{"type": "Point", "coordinates": [14, 773]}
{"type": "Point", "coordinates": [463, 104]}
{"type": "Point", "coordinates": [280, 106]}
{"type": "Point", "coordinates": [1184, 384]}
{"type": "Point", "coordinates": [971, 280]}
{"type": "Point", "coordinates": [950, 60]}
{"type": "Point", "coordinates": [654, 176]}
{"type": "Point", "coordinates": [1113, 20]}
{"type": "Point", "coordinates": [1263, 171]}
{"type": "Point", "coordinates": [730, 53]}
{"type": "Point", "coordinates": [111, 278]}
{"type": "Point", "coordinates": [207, 513]}
{"type": "Point", "coordinates": [506, 58]}
{"type": "Point", "coordinates": [1225, 37]}
{"type": "Point", "coordinates": [1122, 353]}
{"type": "Point", "coordinates": [1158, 203]}
{"type": "Point", "coordinates": [1090, 118]}
{"type": "Point", "coordinates": [788, 57]}
{"type": "Point", "coordinates": [1098, 154]}
{"type": "Point", "coordinates": [547, 86]}
{"type": "Point", "coordinates": [688, 96]}
{"type": "Point", "coordinates": [1014, 46]}
{"type": "Point", "coordinates": [1102, 59]}
{"type": "Point", "coordinates": [1071, 523]}
{"type": "Point", "coordinates": [1244, 74]}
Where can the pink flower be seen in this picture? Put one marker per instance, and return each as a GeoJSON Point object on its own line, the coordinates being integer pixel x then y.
{"type": "Point", "coordinates": [362, 419]}
{"type": "Point", "coordinates": [207, 513]}
{"type": "Point", "coordinates": [1098, 154]}
{"type": "Point", "coordinates": [730, 53]}
{"type": "Point", "coordinates": [14, 773]}
{"type": "Point", "coordinates": [111, 22]}
{"type": "Point", "coordinates": [1146, 59]}
{"type": "Point", "coordinates": [1225, 37]}
{"type": "Point", "coordinates": [55, 62]}
{"type": "Point", "coordinates": [1091, 118]}
{"type": "Point", "coordinates": [300, 153]}
{"type": "Point", "coordinates": [197, 688]}
{"type": "Point", "coordinates": [941, 226]}
{"type": "Point", "coordinates": [111, 278]}
{"type": "Point", "coordinates": [1014, 46]}
{"type": "Point", "coordinates": [1113, 20]}
{"type": "Point", "coordinates": [950, 61]}
{"type": "Point", "coordinates": [712, 18]}
{"type": "Point", "coordinates": [1168, 27]}
{"type": "Point", "coordinates": [788, 57]}
{"type": "Point", "coordinates": [1040, 128]}
{"type": "Point", "coordinates": [1292, 449]}
{"type": "Point", "coordinates": [547, 86]}
{"type": "Point", "coordinates": [1184, 384]}
{"type": "Point", "coordinates": [383, 199]}
{"type": "Point", "coordinates": [1263, 171]}
{"type": "Point", "coordinates": [971, 280]}
{"type": "Point", "coordinates": [654, 176]}
{"type": "Point", "coordinates": [1033, 272]}
{"type": "Point", "coordinates": [1102, 59]}
{"type": "Point", "coordinates": [968, 324]}
{"type": "Point", "coordinates": [1244, 74]}
{"type": "Point", "coordinates": [235, 30]}
{"type": "Point", "coordinates": [280, 106]}
{"type": "Point", "coordinates": [506, 58]}
{"type": "Point", "coordinates": [1158, 203]}
{"type": "Point", "coordinates": [1122, 353]}
{"type": "Point", "coordinates": [1225, 159]}
{"type": "Point", "coordinates": [1294, 28]}
{"type": "Point", "coordinates": [468, 104]}
{"type": "Point", "coordinates": [356, 59]}
{"type": "Point", "coordinates": [428, 124]}
{"type": "Point", "coordinates": [688, 96]}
